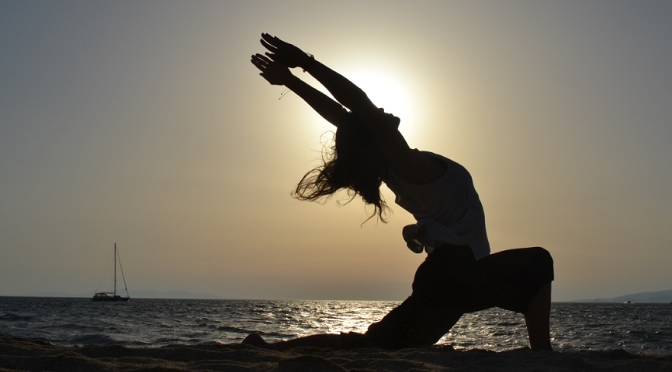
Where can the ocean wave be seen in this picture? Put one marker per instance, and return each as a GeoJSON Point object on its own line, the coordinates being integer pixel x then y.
{"type": "Point", "coordinates": [92, 339]}
{"type": "Point", "coordinates": [14, 317]}
{"type": "Point", "coordinates": [154, 323]}
{"type": "Point", "coordinates": [231, 329]}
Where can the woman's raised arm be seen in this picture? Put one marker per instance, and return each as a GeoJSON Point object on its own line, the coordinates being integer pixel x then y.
{"type": "Point", "coordinates": [343, 90]}
{"type": "Point", "coordinates": [278, 74]}
{"type": "Point", "coordinates": [408, 164]}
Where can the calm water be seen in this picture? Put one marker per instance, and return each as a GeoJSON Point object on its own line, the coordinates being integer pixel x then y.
{"type": "Point", "coordinates": [636, 328]}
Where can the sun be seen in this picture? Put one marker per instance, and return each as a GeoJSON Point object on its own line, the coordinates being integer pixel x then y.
{"type": "Point", "coordinates": [384, 90]}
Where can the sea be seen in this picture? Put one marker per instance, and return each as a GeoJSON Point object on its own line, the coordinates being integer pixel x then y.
{"type": "Point", "coordinates": [635, 328]}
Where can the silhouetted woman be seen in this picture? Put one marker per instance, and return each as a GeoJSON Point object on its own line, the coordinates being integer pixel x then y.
{"type": "Point", "coordinates": [459, 274]}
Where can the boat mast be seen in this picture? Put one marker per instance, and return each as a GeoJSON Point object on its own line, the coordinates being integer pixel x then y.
{"type": "Point", "coordinates": [115, 269]}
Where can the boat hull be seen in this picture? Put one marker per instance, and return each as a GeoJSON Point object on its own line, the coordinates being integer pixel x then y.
{"type": "Point", "coordinates": [104, 297]}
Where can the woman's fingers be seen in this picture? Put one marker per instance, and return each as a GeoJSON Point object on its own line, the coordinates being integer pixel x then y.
{"type": "Point", "coordinates": [271, 40]}
{"type": "Point", "coordinates": [262, 58]}
{"type": "Point", "coordinates": [271, 43]}
{"type": "Point", "coordinates": [266, 37]}
{"type": "Point", "coordinates": [257, 61]}
{"type": "Point", "coordinates": [260, 61]}
{"type": "Point", "coordinates": [268, 46]}
{"type": "Point", "coordinates": [274, 43]}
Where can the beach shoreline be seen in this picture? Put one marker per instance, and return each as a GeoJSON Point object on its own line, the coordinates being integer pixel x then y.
{"type": "Point", "coordinates": [21, 354]}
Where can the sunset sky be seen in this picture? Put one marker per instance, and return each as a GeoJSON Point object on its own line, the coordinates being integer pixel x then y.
{"type": "Point", "coordinates": [144, 123]}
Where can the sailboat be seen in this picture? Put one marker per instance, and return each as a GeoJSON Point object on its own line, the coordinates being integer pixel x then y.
{"type": "Point", "coordinates": [113, 296]}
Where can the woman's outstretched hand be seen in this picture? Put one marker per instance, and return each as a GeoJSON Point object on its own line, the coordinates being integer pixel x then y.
{"type": "Point", "coordinates": [283, 52]}
{"type": "Point", "coordinates": [274, 72]}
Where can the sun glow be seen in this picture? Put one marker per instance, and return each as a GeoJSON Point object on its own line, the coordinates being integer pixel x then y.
{"type": "Point", "coordinates": [390, 91]}
{"type": "Point", "coordinates": [387, 88]}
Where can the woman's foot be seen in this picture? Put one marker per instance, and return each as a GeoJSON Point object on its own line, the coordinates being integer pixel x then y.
{"type": "Point", "coordinates": [255, 340]}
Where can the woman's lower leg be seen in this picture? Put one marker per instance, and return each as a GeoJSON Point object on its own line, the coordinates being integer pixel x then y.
{"type": "Point", "coordinates": [537, 319]}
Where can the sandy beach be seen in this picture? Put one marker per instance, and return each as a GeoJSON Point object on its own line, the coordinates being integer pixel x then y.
{"type": "Point", "coordinates": [18, 354]}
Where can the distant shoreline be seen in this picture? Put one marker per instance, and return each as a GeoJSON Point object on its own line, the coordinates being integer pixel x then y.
{"type": "Point", "coordinates": [582, 301]}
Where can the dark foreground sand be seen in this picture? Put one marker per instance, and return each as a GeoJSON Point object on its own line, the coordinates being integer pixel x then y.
{"type": "Point", "coordinates": [17, 354]}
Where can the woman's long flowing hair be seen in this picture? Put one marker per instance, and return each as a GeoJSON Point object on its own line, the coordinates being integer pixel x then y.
{"type": "Point", "coordinates": [353, 162]}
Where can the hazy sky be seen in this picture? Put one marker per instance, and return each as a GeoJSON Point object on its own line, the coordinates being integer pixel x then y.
{"type": "Point", "coordinates": [143, 123]}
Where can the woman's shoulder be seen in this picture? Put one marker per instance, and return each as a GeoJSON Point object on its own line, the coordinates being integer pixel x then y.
{"type": "Point", "coordinates": [421, 167]}
{"type": "Point", "coordinates": [450, 169]}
